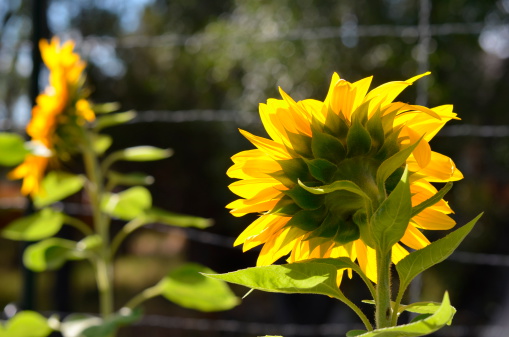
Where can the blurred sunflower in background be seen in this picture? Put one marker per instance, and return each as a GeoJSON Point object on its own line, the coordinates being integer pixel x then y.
{"type": "Point", "coordinates": [58, 111]}
{"type": "Point", "coordinates": [345, 137]}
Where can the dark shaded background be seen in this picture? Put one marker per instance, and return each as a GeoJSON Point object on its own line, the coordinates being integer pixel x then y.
{"type": "Point", "coordinates": [196, 71]}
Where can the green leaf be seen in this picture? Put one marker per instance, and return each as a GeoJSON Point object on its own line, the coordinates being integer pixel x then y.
{"type": "Point", "coordinates": [187, 287]}
{"type": "Point", "coordinates": [303, 277]}
{"type": "Point", "coordinates": [307, 220]}
{"type": "Point", "coordinates": [128, 204]}
{"type": "Point", "coordinates": [101, 143]}
{"type": "Point", "coordinates": [34, 227]}
{"type": "Point", "coordinates": [421, 307]}
{"type": "Point", "coordinates": [155, 214]}
{"type": "Point", "coordinates": [294, 169]}
{"type": "Point", "coordinates": [114, 119]}
{"type": "Point", "coordinates": [144, 153]}
{"type": "Point", "coordinates": [325, 146]}
{"type": "Point", "coordinates": [392, 164]}
{"type": "Point", "coordinates": [431, 201]}
{"type": "Point", "coordinates": [57, 186]}
{"type": "Point", "coordinates": [375, 129]}
{"type": "Point", "coordinates": [389, 222]}
{"type": "Point", "coordinates": [105, 108]}
{"type": "Point", "coordinates": [84, 325]}
{"type": "Point", "coordinates": [442, 316]}
{"type": "Point", "coordinates": [50, 254]}
{"type": "Point", "coordinates": [422, 259]}
{"type": "Point", "coordinates": [339, 185]}
{"type": "Point", "coordinates": [12, 149]}
{"type": "Point", "coordinates": [129, 179]}
{"type": "Point", "coordinates": [354, 333]}
{"type": "Point", "coordinates": [26, 324]}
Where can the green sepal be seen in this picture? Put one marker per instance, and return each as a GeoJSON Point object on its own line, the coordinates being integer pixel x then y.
{"type": "Point", "coordinates": [188, 287]}
{"type": "Point", "coordinates": [340, 185]}
{"type": "Point", "coordinates": [390, 221]}
{"type": "Point", "coordinates": [114, 119]}
{"type": "Point", "coordinates": [12, 149]}
{"type": "Point", "coordinates": [128, 204]}
{"type": "Point", "coordinates": [442, 317]}
{"type": "Point", "coordinates": [26, 324]}
{"type": "Point", "coordinates": [348, 231]}
{"type": "Point", "coordinates": [335, 126]}
{"type": "Point", "coordinates": [50, 254]}
{"type": "Point", "coordinates": [322, 169]}
{"type": "Point", "coordinates": [34, 227]}
{"type": "Point", "coordinates": [433, 200]}
{"type": "Point", "coordinates": [360, 115]}
{"type": "Point", "coordinates": [295, 169]}
{"type": "Point", "coordinates": [388, 121]}
{"type": "Point", "coordinates": [358, 141]}
{"type": "Point", "coordinates": [420, 260]}
{"type": "Point", "coordinates": [376, 130]}
{"type": "Point", "coordinates": [325, 146]}
{"type": "Point", "coordinates": [155, 214]}
{"type": "Point", "coordinates": [301, 144]}
{"type": "Point", "coordinates": [328, 228]}
{"type": "Point", "coordinates": [392, 164]}
{"type": "Point", "coordinates": [56, 186]}
{"type": "Point", "coordinates": [304, 199]}
{"type": "Point", "coordinates": [285, 207]}
{"type": "Point", "coordinates": [390, 146]}
{"type": "Point", "coordinates": [307, 220]}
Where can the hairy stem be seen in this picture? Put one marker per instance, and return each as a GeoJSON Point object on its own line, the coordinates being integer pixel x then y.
{"type": "Point", "coordinates": [383, 290]}
{"type": "Point", "coordinates": [143, 296]}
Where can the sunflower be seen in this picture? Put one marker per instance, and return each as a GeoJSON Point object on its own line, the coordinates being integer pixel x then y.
{"type": "Point", "coordinates": [63, 102]}
{"type": "Point", "coordinates": [345, 137]}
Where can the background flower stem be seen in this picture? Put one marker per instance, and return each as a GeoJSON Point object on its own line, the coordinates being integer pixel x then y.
{"type": "Point", "coordinates": [95, 189]}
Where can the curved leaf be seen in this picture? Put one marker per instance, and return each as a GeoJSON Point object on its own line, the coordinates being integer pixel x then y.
{"type": "Point", "coordinates": [345, 185]}
{"type": "Point", "coordinates": [144, 153]}
{"type": "Point", "coordinates": [422, 259]}
{"type": "Point", "coordinates": [34, 227]}
{"type": "Point", "coordinates": [187, 287]}
{"type": "Point", "coordinates": [155, 214]}
{"type": "Point", "coordinates": [442, 316]}
{"type": "Point", "coordinates": [50, 254]}
{"type": "Point", "coordinates": [128, 204]}
{"type": "Point", "coordinates": [12, 149]}
{"type": "Point", "coordinates": [57, 186]}
{"type": "Point", "coordinates": [26, 324]}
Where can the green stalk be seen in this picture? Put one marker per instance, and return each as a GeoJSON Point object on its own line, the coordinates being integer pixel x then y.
{"type": "Point", "coordinates": [143, 296]}
{"type": "Point", "coordinates": [383, 290]}
{"type": "Point", "coordinates": [95, 189]}
{"type": "Point", "coordinates": [130, 227]}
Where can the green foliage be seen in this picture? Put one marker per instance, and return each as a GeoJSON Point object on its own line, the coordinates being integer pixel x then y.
{"type": "Point", "coordinates": [129, 179]}
{"type": "Point", "coordinates": [422, 259]}
{"type": "Point", "coordinates": [187, 287]}
{"type": "Point", "coordinates": [143, 153]}
{"type": "Point", "coordinates": [304, 277]}
{"type": "Point", "coordinates": [114, 119]}
{"type": "Point", "coordinates": [51, 254]}
{"type": "Point", "coordinates": [390, 220]}
{"type": "Point", "coordinates": [83, 325]}
{"type": "Point", "coordinates": [339, 185]}
{"type": "Point", "coordinates": [12, 149]}
{"type": "Point", "coordinates": [128, 204]}
{"type": "Point", "coordinates": [158, 215]}
{"type": "Point", "coordinates": [37, 226]}
{"type": "Point", "coordinates": [101, 143]}
{"type": "Point", "coordinates": [26, 324]}
{"type": "Point", "coordinates": [58, 185]}
{"type": "Point", "coordinates": [441, 317]}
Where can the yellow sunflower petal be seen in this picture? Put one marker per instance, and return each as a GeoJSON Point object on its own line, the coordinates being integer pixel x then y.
{"type": "Point", "coordinates": [433, 220]}
{"type": "Point", "coordinates": [413, 238]}
{"type": "Point", "coordinates": [270, 147]}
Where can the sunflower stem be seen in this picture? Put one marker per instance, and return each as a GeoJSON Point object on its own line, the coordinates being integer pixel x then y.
{"type": "Point", "coordinates": [383, 311]}
{"type": "Point", "coordinates": [103, 265]}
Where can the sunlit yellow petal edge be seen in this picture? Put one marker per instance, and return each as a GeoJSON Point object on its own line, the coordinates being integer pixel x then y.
{"type": "Point", "coordinates": [300, 135]}
{"type": "Point", "coordinates": [63, 96]}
